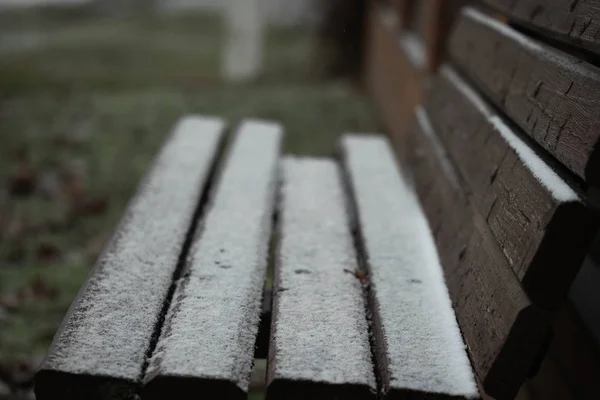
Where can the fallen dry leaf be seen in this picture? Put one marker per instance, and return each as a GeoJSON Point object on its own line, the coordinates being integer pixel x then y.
{"type": "Point", "coordinates": [22, 182]}
{"type": "Point", "coordinates": [42, 290]}
{"type": "Point", "coordinates": [48, 252]}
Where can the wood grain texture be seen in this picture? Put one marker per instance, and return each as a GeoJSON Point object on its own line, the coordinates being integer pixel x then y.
{"type": "Point", "coordinates": [574, 22]}
{"type": "Point", "coordinates": [394, 83]}
{"type": "Point", "coordinates": [502, 328]}
{"type": "Point", "coordinates": [544, 238]}
{"type": "Point", "coordinates": [552, 96]}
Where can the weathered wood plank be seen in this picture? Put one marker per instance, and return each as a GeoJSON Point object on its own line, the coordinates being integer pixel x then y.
{"type": "Point", "coordinates": [553, 96]}
{"type": "Point", "coordinates": [394, 82]}
{"type": "Point", "coordinates": [574, 22]}
{"type": "Point", "coordinates": [503, 330]}
{"type": "Point", "coordinates": [320, 344]}
{"type": "Point", "coordinates": [418, 347]}
{"type": "Point", "coordinates": [100, 349]}
{"type": "Point", "coordinates": [542, 226]}
{"type": "Point", "coordinates": [207, 342]}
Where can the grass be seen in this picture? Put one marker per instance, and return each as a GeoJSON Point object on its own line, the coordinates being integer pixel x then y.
{"type": "Point", "coordinates": [85, 104]}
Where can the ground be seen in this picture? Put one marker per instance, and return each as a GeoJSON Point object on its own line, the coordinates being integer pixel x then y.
{"type": "Point", "coordinates": [84, 106]}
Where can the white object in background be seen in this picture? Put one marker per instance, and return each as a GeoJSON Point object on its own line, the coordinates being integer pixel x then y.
{"type": "Point", "coordinates": [244, 27]}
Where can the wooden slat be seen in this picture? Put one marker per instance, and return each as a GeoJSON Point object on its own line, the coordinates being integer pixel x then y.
{"type": "Point", "coordinates": [207, 342]}
{"type": "Point", "coordinates": [100, 349]}
{"type": "Point", "coordinates": [393, 80]}
{"type": "Point", "coordinates": [574, 22]}
{"type": "Point", "coordinates": [320, 346]}
{"type": "Point", "coordinates": [503, 330]}
{"type": "Point", "coordinates": [417, 343]}
{"type": "Point", "coordinates": [553, 96]}
{"type": "Point", "coordinates": [541, 224]}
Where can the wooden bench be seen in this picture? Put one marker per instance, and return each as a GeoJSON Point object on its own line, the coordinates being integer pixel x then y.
{"type": "Point", "coordinates": [173, 306]}
{"type": "Point", "coordinates": [418, 281]}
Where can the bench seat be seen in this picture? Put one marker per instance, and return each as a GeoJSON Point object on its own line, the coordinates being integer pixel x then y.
{"type": "Point", "coordinates": [173, 307]}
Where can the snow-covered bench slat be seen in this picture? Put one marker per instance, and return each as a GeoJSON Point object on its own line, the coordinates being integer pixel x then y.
{"type": "Point", "coordinates": [207, 342]}
{"type": "Point", "coordinates": [320, 343]}
{"type": "Point", "coordinates": [553, 96]}
{"type": "Point", "coordinates": [101, 347]}
{"type": "Point", "coordinates": [501, 327]}
{"type": "Point", "coordinates": [418, 344]}
{"type": "Point", "coordinates": [540, 222]}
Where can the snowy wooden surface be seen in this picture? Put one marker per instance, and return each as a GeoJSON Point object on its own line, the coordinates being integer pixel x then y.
{"type": "Point", "coordinates": [537, 217]}
{"type": "Point", "coordinates": [419, 348]}
{"type": "Point", "coordinates": [320, 340]}
{"type": "Point", "coordinates": [499, 323]}
{"type": "Point", "coordinates": [553, 96]}
{"type": "Point", "coordinates": [573, 22]}
{"type": "Point", "coordinates": [109, 327]}
{"type": "Point", "coordinates": [207, 342]}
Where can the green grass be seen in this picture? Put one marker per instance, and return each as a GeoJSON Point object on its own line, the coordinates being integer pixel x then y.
{"type": "Point", "coordinates": [86, 107]}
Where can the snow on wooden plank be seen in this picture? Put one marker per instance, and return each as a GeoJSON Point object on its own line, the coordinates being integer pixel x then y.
{"type": "Point", "coordinates": [100, 349]}
{"type": "Point", "coordinates": [539, 221]}
{"type": "Point", "coordinates": [501, 327]}
{"type": "Point", "coordinates": [320, 342]}
{"type": "Point", "coordinates": [207, 342]}
{"type": "Point", "coordinates": [574, 22]}
{"type": "Point", "coordinates": [553, 96]}
{"type": "Point", "coordinates": [418, 344]}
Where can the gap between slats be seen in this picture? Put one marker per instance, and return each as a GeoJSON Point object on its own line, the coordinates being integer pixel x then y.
{"type": "Point", "coordinates": [193, 231]}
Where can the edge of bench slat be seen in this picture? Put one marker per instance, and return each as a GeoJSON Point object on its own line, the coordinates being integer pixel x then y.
{"type": "Point", "coordinates": [210, 331]}
{"type": "Point", "coordinates": [102, 342]}
{"type": "Point", "coordinates": [319, 346]}
{"type": "Point", "coordinates": [551, 95]}
{"type": "Point", "coordinates": [419, 344]}
{"type": "Point", "coordinates": [538, 218]}
{"type": "Point", "coordinates": [502, 328]}
{"type": "Point", "coordinates": [573, 22]}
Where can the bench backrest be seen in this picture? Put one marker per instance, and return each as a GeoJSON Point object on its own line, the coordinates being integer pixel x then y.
{"type": "Point", "coordinates": [502, 145]}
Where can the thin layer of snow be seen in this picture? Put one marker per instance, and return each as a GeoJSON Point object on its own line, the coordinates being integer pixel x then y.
{"type": "Point", "coordinates": [502, 28]}
{"type": "Point", "coordinates": [211, 327]}
{"type": "Point", "coordinates": [427, 128]}
{"type": "Point", "coordinates": [451, 76]}
{"type": "Point", "coordinates": [414, 49]}
{"type": "Point", "coordinates": [425, 349]}
{"type": "Point", "coordinates": [321, 327]}
{"type": "Point", "coordinates": [109, 326]}
{"type": "Point", "coordinates": [560, 190]}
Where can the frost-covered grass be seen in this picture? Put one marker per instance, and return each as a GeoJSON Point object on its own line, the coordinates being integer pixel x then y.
{"type": "Point", "coordinates": [84, 106]}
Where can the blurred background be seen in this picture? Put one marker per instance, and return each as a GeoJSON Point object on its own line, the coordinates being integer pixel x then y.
{"type": "Point", "coordinates": [89, 89]}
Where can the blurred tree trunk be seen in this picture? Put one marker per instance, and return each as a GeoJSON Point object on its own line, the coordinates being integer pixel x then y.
{"type": "Point", "coordinates": [244, 31]}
